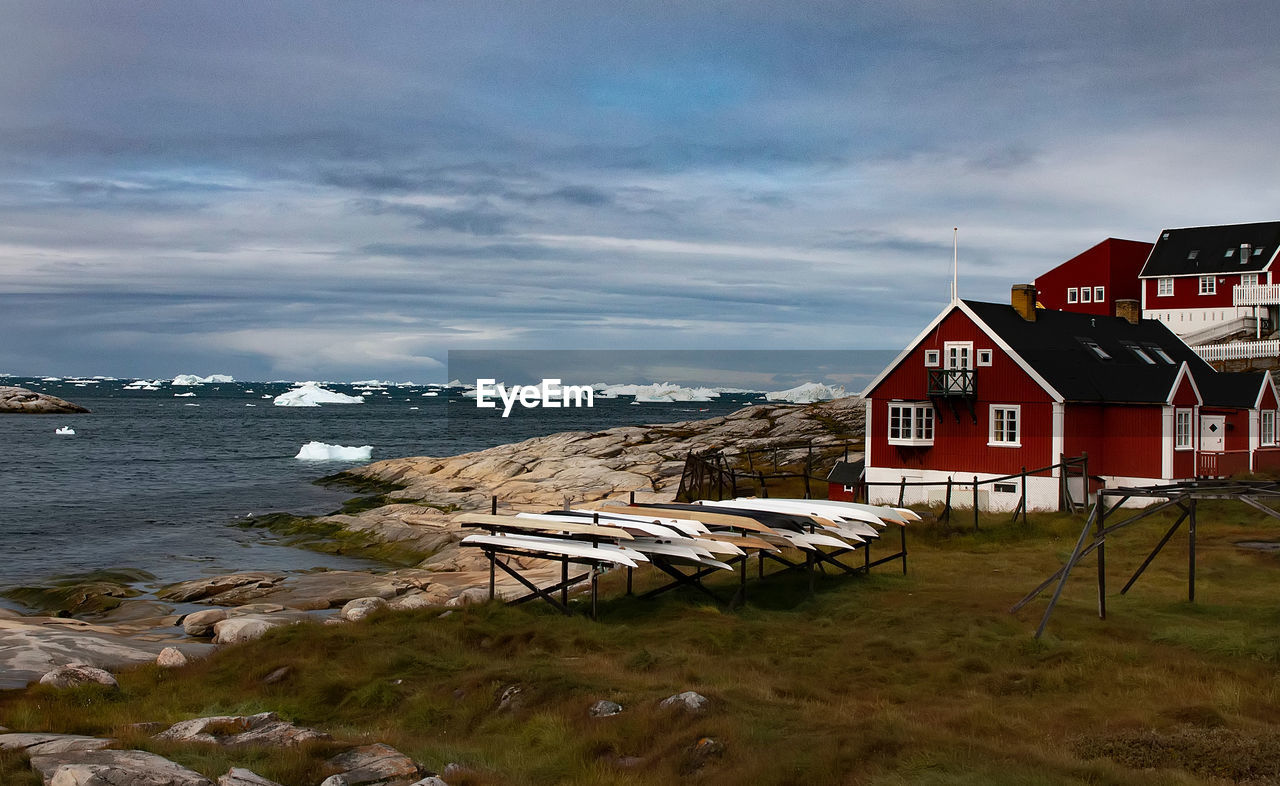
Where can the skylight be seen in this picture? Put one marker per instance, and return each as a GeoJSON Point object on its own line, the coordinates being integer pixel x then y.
{"type": "Point", "coordinates": [1230, 251]}
{"type": "Point", "coordinates": [1193, 254]}
{"type": "Point", "coordinates": [1160, 353]}
{"type": "Point", "coordinates": [1098, 351]}
{"type": "Point", "coordinates": [1137, 350]}
{"type": "Point", "coordinates": [1257, 252]}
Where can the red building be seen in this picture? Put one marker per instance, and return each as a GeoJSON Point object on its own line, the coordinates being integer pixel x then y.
{"type": "Point", "coordinates": [989, 389]}
{"type": "Point", "coordinates": [1091, 282]}
{"type": "Point", "coordinates": [1199, 278]}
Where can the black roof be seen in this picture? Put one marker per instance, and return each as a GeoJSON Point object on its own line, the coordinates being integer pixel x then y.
{"type": "Point", "coordinates": [1059, 347]}
{"type": "Point", "coordinates": [1203, 250]}
{"type": "Point", "coordinates": [847, 472]}
{"type": "Point", "coordinates": [1237, 389]}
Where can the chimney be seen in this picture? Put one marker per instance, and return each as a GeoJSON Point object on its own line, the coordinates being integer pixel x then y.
{"type": "Point", "coordinates": [1023, 299]}
{"type": "Point", "coordinates": [1129, 309]}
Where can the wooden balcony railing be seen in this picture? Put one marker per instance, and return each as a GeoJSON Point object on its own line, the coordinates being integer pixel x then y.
{"type": "Point", "coordinates": [1256, 295]}
{"type": "Point", "coordinates": [959, 382]}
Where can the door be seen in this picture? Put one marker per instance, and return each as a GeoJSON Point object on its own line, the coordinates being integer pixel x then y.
{"type": "Point", "coordinates": [1213, 429]}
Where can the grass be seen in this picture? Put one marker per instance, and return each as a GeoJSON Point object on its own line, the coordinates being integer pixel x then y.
{"type": "Point", "coordinates": [887, 679]}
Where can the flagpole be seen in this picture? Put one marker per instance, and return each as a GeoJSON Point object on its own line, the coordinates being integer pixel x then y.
{"type": "Point", "coordinates": [955, 264]}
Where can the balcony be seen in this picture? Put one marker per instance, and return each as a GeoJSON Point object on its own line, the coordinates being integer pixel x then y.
{"type": "Point", "coordinates": [953, 383]}
{"type": "Point", "coordinates": [1256, 295]}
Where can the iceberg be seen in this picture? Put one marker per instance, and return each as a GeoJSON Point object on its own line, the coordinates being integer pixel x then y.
{"type": "Point", "coordinates": [182, 395]}
{"type": "Point", "coordinates": [808, 393]}
{"type": "Point", "coordinates": [192, 379]}
{"type": "Point", "coordinates": [66, 431]}
{"type": "Point", "coordinates": [310, 394]}
{"type": "Point", "coordinates": [320, 451]}
{"type": "Point", "coordinates": [660, 393]}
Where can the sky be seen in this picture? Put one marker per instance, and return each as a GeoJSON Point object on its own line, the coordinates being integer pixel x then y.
{"type": "Point", "coordinates": [336, 190]}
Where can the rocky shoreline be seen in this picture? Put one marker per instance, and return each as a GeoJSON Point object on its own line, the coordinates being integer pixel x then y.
{"type": "Point", "coordinates": [410, 523]}
{"type": "Point", "coordinates": [23, 401]}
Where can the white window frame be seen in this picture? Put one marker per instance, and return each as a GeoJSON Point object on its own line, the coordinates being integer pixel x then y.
{"type": "Point", "coordinates": [965, 349]}
{"type": "Point", "coordinates": [932, 358]}
{"type": "Point", "coordinates": [1073, 295]}
{"type": "Point", "coordinates": [913, 422]}
{"type": "Point", "coordinates": [1086, 294]}
{"type": "Point", "coordinates": [1099, 294]}
{"type": "Point", "coordinates": [1164, 287]}
{"type": "Point", "coordinates": [1248, 279]}
{"type": "Point", "coordinates": [1267, 428]}
{"type": "Point", "coordinates": [1208, 285]}
{"type": "Point", "coordinates": [1001, 413]}
{"type": "Point", "coordinates": [984, 357]}
{"type": "Point", "coordinates": [1183, 439]}
{"type": "Point", "coordinates": [848, 489]}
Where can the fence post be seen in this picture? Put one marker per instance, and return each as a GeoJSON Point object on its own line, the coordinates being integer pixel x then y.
{"type": "Point", "coordinates": [1084, 474]}
{"type": "Point", "coordinates": [1064, 495]}
{"type": "Point", "coordinates": [764, 490]}
{"type": "Point", "coordinates": [808, 467]}
{"type": "Point", "coordinates": [733, 482]}
{"type": "Point", "coordinates": [902, 490]}
{"type": "Point", "coordinates": [1024, 495]}
{"type": "Point", "coordinates": [946, 507]}
{"type": "Point", "coordinates": [975, 503]}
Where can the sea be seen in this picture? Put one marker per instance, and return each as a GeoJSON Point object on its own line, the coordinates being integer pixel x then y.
{"type": "Point", "coordinates": [156, 480]}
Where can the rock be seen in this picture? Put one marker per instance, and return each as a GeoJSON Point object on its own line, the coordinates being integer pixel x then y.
{"type": "Point", "coordinates": [358, 609]}
{"type": "Point", "coordinates": [114, 768]}
{"type": "Point", "coordinates": [470, 595]}
{"type": "Point", "coordinates": [369, 764]}
{"type": "Point", "coordinates": [510, 699]}
{"type": "Point", "coordinates": [199, 589]}
{"type": "Point", "coordinates": [21, 400]}
{"type": "Point", "coordinates": [171, 658]}
{"type": "Point", "coordinates": [241, 629]}
{"type": "Point", "coordinates": [324, 589]}
{"type": "Point", "coordinates": [604, 708]}
{"type": "Point", "coordinates": [265, 728]}
{"type": "Point", "coordinates": [702, 751]}
{"type": "Point", "coordinates": [414, 599]}
{"type": "Point", "coordinates": [278, 675]}
{"type": "Point", "coordinates": [48, 744]}
{"type": "Point", "coordinates": [75, 674]}
{"type": "Point", "coordinates": [686, 702]}
{"type": "Point", "coordinates": [238, 776]}
{"type": "Point", "coordinates": [200, 623]}
{"type": "Point", "coordinates": [430, 780]}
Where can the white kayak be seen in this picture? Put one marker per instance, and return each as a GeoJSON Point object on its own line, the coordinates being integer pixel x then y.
{"type": "Point", "coordinates": [603, 552]}
{"type": "Point", "coordinates": [814, 506]}
{"type": "Point", "coordinates": [687, 526]}
{"type": "Point", "coordinates": [635, 527]}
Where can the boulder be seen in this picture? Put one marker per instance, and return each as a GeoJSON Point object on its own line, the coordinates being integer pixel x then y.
{"type": "Point", "coordinates": [265, 728]}
{"type": "Point", "coordinates": [200, 623]}
{"type": "Point", "coordinates": [199, 589]}
{"type": "Point", "coordinates": [414, 599]}
{"type": "Point", "coordinates": [171, 658]}
{"type": "Point", "coordinates": [114, 768]}
{"type": "Point", "coordinates": [21, 400]}
{"type": "Point", "coordinates": [370, 764]}
{"type": "Point", "coordinates": [469, 596]}
{"type": "Point", "coordinates": [604, 708]}
{"type": "Point", "coordinates": [430, 780]}
{"type": "Point", "coordinates": [241, 629]}
{"type": "Point", "coordinates": [358, 609]}
{"type": "Point", "coordinates": [686, 702]}
{"type": "Point", "coordinates": [75, 674]}
{"type": "Point", "coordinates": [47, 744]}
{"type": "Point", "coordinates": [238, 776]}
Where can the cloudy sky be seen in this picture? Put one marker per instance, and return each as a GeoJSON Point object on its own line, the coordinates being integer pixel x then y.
{"type": "Point", "coordinates": [343, 190]}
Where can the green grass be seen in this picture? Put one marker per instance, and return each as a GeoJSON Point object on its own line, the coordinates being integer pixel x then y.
{"type": "Point", "coordinates": [887, 679]}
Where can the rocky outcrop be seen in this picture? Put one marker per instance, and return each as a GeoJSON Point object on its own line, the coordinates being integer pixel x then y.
{"type": "Point", "coordinates": [49, 744]}
{"type": "Point", "coordinates": [73, 675]}
{"type": "Point", "coordinates": [238, 776]}
{"type": "Point", "coordinates": [265, 728]}
{"type": "Point", "coordinates": [246, 628]}
{"type": "Point", "coordinates": [688, 701]}
{"type": "Point", "coordinates": [113, 768]}
{"type": "Point", "coordinates": [371, 764]}
{"type": "Point", "coordinates": [358, 609]}
{"type": "Point", "coordinates": [21, 400]}
{"type": "Point", "coordinates": [201, 589]}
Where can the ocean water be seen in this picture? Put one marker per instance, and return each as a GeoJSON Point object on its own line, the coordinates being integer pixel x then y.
{"type": "Point", "coordinates": [156, 482]}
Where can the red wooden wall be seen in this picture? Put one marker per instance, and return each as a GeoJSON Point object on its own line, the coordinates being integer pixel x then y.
{"type": "Point", "coordinates": [1113, 264]}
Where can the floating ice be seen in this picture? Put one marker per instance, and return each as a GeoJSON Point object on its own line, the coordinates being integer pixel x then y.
{"type": "Point", "coordinates": [65, 431]}
{"type": "Point", "coordinates": [319, 451]}
{"type": "Point", "coordinates": [430, 393]}
{"type": "Point", "coordinates": [808, 393]}
{"type": "Point", "coordinates": [144, 384]}
{"type": "Point", "coordinates": [659, 393]}
{"type": "Point", "coordinates": [182, 395]}
{"type": "Point", "coordinates": [192, 379]}
{"type": "Point", "coordinates": [310, 394]}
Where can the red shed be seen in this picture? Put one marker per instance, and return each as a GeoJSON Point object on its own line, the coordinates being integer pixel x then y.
{"type": "Point", "coordinates": [989, 389]}
{"type": "Point", "coordinates": [1092, 281]}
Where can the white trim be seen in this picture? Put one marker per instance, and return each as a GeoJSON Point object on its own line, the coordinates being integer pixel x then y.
{"type": "Point", "coordinates": [868, 434]}
{"type": "Point", "coordinates": [1100, 298]}
{"type": "Point", "coordinates": [1191, 428]}
{"type": "Point", "coordinates": [1017, 426]}
{"type": "Point", "coordinates": [1184, 370]}
{"type": "Point", "coordinates": [990, 357]}
{"type": "Point", "coordinates": [1267, 380]}
{"type": "Point", "coordinates": [937, 358]}
{"type": "Point", "coordinates": [915, 418]}
{"type": "Point", "coordinates": [1212, 280]}
{"type": "Point", "coordinates": [966, 346]}
{"type": "Point", "coordinates": [999, 342]}
{"type": "Point", "coordinates": [1086, 294]}
{"type": "Point", "coordinates": [1161, 279]}
{"type": "Point", "coordinates": [1059, 434]}
{"type": "Point", "coordinates": [1262, 420]}
{"type": "Point", "coordinates": [1168, 426]}
{"type": "Point", "coordinates": [1073, 295]}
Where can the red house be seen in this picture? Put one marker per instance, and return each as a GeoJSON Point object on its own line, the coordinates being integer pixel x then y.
{"type": "Point", "coordinates": [989, 389]}
{"type": "Point", "coordinates": [1200, 278]}
{"type": "Point", "coordinates": [1092, 281]}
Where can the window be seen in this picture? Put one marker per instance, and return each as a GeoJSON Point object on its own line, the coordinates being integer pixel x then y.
{"type": "Point", "coordinates": [1193, 254]}
{"type": "Point", "coordinates": [1139, 352]}
{"type": "Point", "coordinates": [932, 358]}
{"type": "Point", "coordinates": [848, 489]}
{"type": "Point", "coordinates": [984, 357]}
{"type": "Point", "coordinates": [959, 354]}
{"type": "Point", "coordinates": [1099, 294]}
{"type": "Point", "coordinates": [1085, 293]}
{"type": "Point", "coordinates": [1004, 488]}
{"type": "Point", "coordinates": [1164, 287]}
{"type": "Point", "coordinates": [1257, 252]}
{"type": "Point", "coordinates": [910, 424]}
{"type": "Point", "coordinates": [1249, 280]}
{"type": "Point", "coordinates": [1073, 295]}
{"type": "Point", "coordinates": [1230, 253]}
{"type": "Point", "coordinates": [1208, 285]}
{"type": "Point", "coordinates": [1268, 427]}
{"type": "Point", "coordinates": [1154, 349]}
{"type": "Point", "coordinates": [1004, 426]}
{"type": "Point", "coordinates": [1182, 429]}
